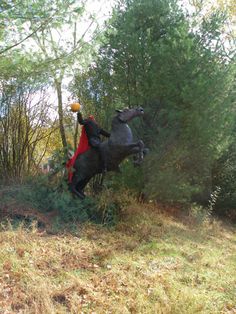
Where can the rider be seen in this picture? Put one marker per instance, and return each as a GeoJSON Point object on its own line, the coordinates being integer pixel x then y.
{"type": "Point", "coordinates": [93, 132]}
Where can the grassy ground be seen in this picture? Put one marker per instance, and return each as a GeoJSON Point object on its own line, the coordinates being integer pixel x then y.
{"type": "Point", "coordinates": [151, 263]}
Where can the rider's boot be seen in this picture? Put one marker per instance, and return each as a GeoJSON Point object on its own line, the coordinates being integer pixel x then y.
{"type": "Point", "coordinates": [80, 194]}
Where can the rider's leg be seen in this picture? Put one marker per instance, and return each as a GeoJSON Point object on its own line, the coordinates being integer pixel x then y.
{"type": "Point", "coordinates": [95, 143]}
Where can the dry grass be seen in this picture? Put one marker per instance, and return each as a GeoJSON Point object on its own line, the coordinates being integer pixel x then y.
{"type": "Point", "coordinates": [151, 263]}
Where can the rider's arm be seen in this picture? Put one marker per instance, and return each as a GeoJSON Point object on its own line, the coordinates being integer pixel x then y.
{"type": "Point", "coordinates": [80, 118]}
{"type": "Point", "coordinates": [105, 133]}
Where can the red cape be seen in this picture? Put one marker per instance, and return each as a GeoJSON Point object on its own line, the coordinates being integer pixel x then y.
{"type": "Point", "coordinates": [82, 148]}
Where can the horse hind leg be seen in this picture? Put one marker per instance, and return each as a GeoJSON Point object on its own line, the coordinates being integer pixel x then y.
{"type": "Point", "coordinates": [81, 185]}
{"type": "Point", "coordinates": [75, 186]}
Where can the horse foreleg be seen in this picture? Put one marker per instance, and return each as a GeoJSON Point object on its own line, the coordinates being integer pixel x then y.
{"type": "Point", "coordinates": [138, 148]}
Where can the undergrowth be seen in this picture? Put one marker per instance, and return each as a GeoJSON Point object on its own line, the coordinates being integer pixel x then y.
{"type": "Point", "coordinates": [44, 196]}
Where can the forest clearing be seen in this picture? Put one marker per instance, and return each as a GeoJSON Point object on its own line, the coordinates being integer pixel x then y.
{"type": "Point", "coordinates": [150, 262]}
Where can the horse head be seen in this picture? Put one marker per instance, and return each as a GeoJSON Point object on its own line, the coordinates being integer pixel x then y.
{"type": "Point", "coordinates": [127, 114]}
{"type": "Point", "coordinates": [120, 131]}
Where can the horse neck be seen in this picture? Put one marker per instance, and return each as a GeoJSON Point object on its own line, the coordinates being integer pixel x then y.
{"type": "Point", "coordinates": [120, 133]}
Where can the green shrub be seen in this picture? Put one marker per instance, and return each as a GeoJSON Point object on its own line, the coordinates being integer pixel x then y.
{"type": "Point", "coordinates": [199, 213]}
{"type": "Point", "coordinates": [45, 197]}
{"type": "Point", "coordinates": [112, 203]}
{"type": "Point", "coordinates": [224, 178]}
{"type": "Point", "coordinates": [40, 194]}
{"type": "Point", "coordinates": [130, 178]}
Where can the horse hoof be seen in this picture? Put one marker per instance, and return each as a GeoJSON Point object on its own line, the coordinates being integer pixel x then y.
{"type": "Point", "coordinates": [136, 163]}
{"type": "Point", "coordinates": [146, 151]}
{"type": "Point", "coordinates": [80, 194]}
{"type": "Point", "coordinates": [104, 171]}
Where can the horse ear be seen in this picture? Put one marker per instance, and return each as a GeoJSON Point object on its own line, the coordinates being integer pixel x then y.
{"type": "Point", "coordinates": [118, 110]}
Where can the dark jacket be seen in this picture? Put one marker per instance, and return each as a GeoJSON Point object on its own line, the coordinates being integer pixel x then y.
{"type": "Point", "coordinates": [92, 129]}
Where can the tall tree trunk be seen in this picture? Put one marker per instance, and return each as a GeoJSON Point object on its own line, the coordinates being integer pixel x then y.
{"type": "Point", "coordinates": [60, 113]}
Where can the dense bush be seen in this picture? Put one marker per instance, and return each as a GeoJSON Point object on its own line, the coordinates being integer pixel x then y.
{"type": "Point", "coordinates": [38, 193]}
{"type": "Point", "coordinates": [224, 181]}
{"type": "Point", "coordinates": [130, 178]}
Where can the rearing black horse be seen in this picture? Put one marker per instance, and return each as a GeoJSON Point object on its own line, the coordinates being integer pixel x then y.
{"type": "Point", "coordinates": [117, 148]}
